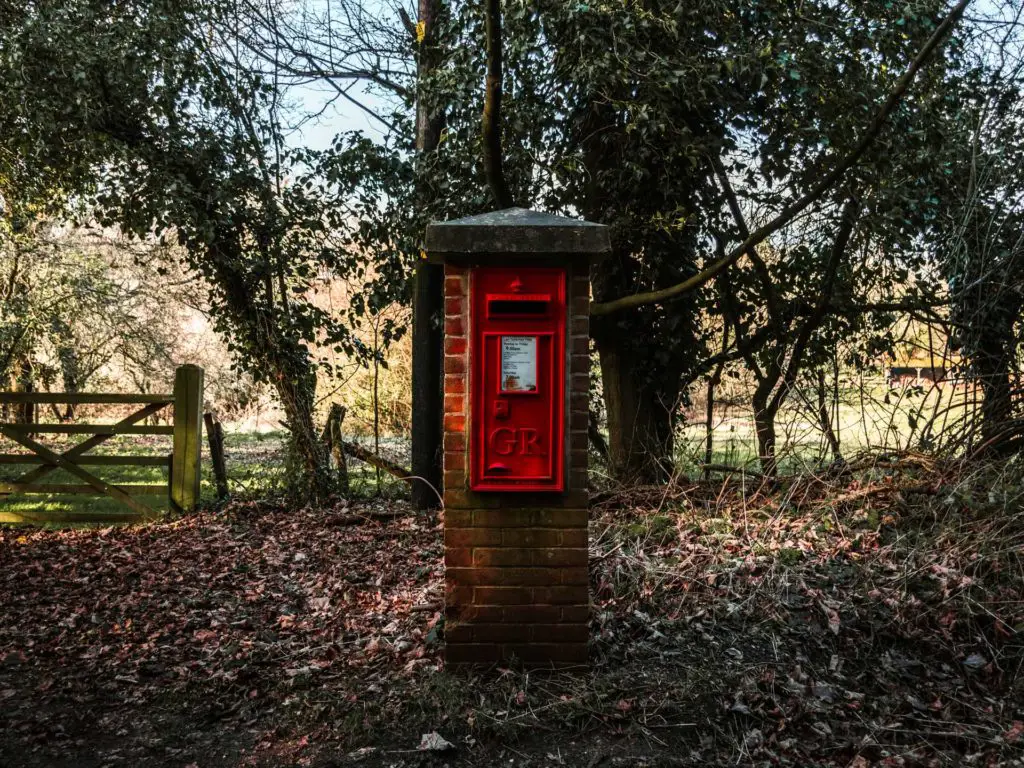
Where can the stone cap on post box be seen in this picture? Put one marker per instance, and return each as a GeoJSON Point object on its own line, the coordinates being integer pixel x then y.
{"type": "Point", "coordinates": [492, 237]}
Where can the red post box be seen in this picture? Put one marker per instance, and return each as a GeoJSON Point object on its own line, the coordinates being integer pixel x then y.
{"type": "Point", "coordinates": [518, 381]}
{"type": "Point", "coordinates": [516, 415]}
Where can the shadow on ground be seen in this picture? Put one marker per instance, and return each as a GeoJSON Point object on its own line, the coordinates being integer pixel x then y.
{"type": "Point", "coordinates": [872, 619]}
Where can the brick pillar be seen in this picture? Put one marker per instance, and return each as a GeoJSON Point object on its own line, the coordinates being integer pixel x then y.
{"type": "Point", "coordinates": [515, 565]}
{"type": "Point", "coordinates": [516, 575]}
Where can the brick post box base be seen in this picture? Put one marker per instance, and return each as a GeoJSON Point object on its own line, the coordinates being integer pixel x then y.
{"type": "Point", "coordinates": [515, 563]}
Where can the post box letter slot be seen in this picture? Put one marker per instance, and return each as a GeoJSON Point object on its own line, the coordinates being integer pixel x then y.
{"type": "Point", "coordinates": [511, 307]}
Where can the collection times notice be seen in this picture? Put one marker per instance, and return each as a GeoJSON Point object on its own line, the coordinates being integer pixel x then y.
{"type": "Point", "coordinates": [518, 363]}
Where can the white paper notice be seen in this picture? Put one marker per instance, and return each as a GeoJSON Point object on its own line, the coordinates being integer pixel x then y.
{"type": "Point", "coordinates": [518, 363]}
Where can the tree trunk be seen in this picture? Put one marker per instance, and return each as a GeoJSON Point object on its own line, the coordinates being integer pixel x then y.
{"type": "Point", "coordinates": [764, 426]}
{"type": "Point", "coordinates": [285, 362]}
{"type": "Point", "coordinates": [992, 365]}
{"type": "Point", "coordinates": [428, 304]}
{"type": "Point", "coordinates": [825, 419]}
{"type": "Point", "coordinates": [644, 353]}
{"type": "Point", "coordinates": [296, 390]}
{"type": "Point", "coordinates": [334, 439]}
{"type": "Point", "coordinates": [26, 383]}
{"type": "Point", "coordinates": [67, 354]}
{"type": "Point", "coordinates": [490, 121]}
{"type": "Point", "coordinates": [215, 437]}
{"type": "Point", "coordinates": [427, 384]}
{"type": "Point", "coordinates": [640, 427]}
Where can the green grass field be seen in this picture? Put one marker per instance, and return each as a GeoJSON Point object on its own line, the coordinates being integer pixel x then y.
{"type": "Point", "coordinates": [255, 463]}
{"type": "Point", "coordinates": [871, 419]}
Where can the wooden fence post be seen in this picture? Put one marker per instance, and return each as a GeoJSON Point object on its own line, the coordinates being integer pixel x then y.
{"type": "Point", "coordinates": [188, 434]}
{"type": "Point", "coordinates": [215, 437]}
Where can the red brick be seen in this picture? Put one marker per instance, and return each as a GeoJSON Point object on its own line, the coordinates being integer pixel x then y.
{"type": "Point", "coordinates": [455, 345]}
{"type": "Point", "coordinates": [458, 518]}
{"type": "Point", "coordinates": [472, 537]}
{"type": "Point", "coordinates": [454, 441]}
{"type": "Point", "coordinates": [575, 575]}
{"type": "Point", "coordinates": [579, 345]}
{"type": "Point", "coordinates": [579, 401]}
{"type": "Point", "coordinates": [454, 364]}
{"type": "Point", "coordinates": [501, 633]}
{"type": "Point", "coordinates": [458, 557]}
{"type": "Point", "coordinates": [454, 326]}
{"type": "Point", "coordinates": [574, 538]}
{"type": "Point", "coordinates": [455, 478]}
{"type": "Point", "coordinates": [454, 285]}
{"type": "Point", "coordinates": [455, 597]}
{"type": "Point", "coordinates": [456, 497]}
{"type": "Point", "coordinates": [504, 518]}
{"type": "Point", "coordinates": [453, 307]}
{"type": "Point", "coordinates": [455, 269]}
{"type": "Point", "coordinates": [578, 421]}
{"type": "Point", "coordinates": [455, 384]}
{"type": "Point", "coordinates": [561, 556]}
{"type": "Point", "coordinates": [560, 595]}
{"type": "Point", "coordinates": [502, 557]}
{"type": "Point", "coordinates": [561, 518]}
{"type": "Point", "coordinates": [454, 404]}
{"type": "Point", "coordinates": [507, 595]}
{"type": "Point", "coordinates": [533, 576]}
{"type": "Point", "coordinates": [454, 422]}
{"type": "Point", "coordinates": [471, 653]}
{"type": "Point", "coordinates": [580, 325]}
{"type": "Point", "coordinates": [558, 633]}
{"type": "Point", "coordinates": [506, 577]}
{"type": "Point", "coordinates": [493, 614]}
{"type": "Point", "coordinates": [531, 537]}
{"type": "Point", "coordinates": [537, 652]}
{"type": "Point", "coordinates": [575, 498]}
{"type": "Point", "coordinates": [579, 440]}
{"type": "Point", "coordinates": [458, 632]}
{"type": "Point", "coordinates": [454, 460]}
{"type": "Point", "coordinates": [579, 459]}
{"type": "Point", "coordinates": [533, 614]}
{"type": "Point", "coordinates": [575, 613]}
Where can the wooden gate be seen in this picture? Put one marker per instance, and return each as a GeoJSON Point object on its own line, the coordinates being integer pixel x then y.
{"type": "Point", "coordinates": [183, 463]}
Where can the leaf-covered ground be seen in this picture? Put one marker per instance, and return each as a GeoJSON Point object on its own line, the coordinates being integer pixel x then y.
{"type": "Point", "coordinates": [869, 619]}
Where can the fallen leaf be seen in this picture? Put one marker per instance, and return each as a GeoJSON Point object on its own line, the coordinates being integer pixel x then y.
{"type": "Point", "coordinates": [434, 742]}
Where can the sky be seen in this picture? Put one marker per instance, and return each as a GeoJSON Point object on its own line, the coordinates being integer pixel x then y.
{"type": "Point", "coordinates": [342, 115]}
{"type": "Point", "coordinates": [339, 116]}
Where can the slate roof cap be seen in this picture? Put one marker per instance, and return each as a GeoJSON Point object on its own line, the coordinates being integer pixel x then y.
{"type": "Point", "coordinates": [516, 231]}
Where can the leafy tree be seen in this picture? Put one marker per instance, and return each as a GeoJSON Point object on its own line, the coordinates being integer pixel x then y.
{"type": "Point", "coordinates": [979, 238]}
{"type": "Point", "coordinates": [634, 114]}
{"type": "Point", "coordinates": [76, 303]}
{"type": "Point", "coordinates": [147, 114]}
